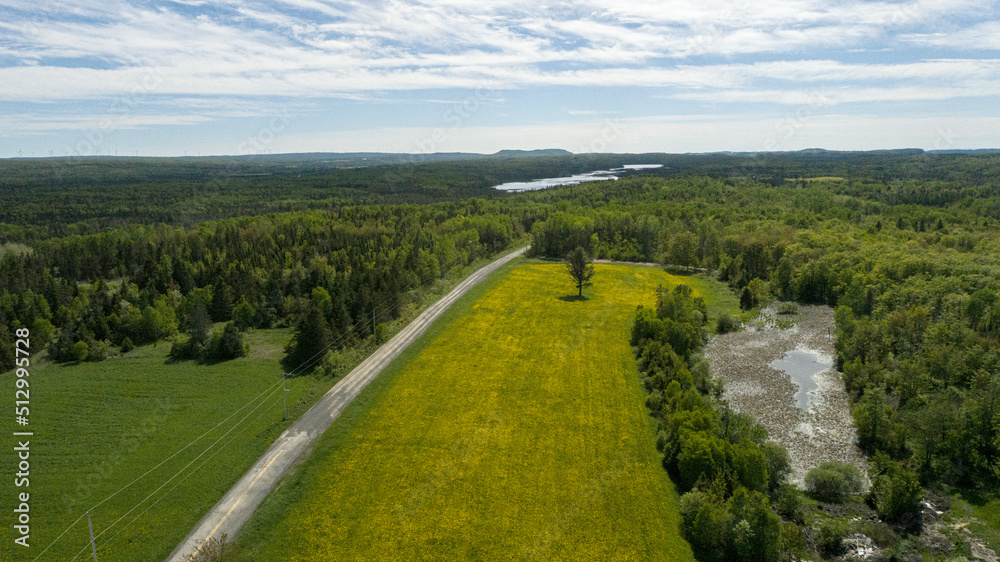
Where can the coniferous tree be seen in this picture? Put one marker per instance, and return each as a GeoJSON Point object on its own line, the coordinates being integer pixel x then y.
{"type": "Point", "coordinates": [580, 269]}
{"type": "Point", "coordinates": [311, 338]}
{"type": "Point", "coordinates": [222, 304]}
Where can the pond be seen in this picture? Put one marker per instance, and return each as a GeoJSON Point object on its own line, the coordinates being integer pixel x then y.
{"type": "Point", "coordinates": [782, 375]}
{"type": "Point", "coordinates": [802, 365]}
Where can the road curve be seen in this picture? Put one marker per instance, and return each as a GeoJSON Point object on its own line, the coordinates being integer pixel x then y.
{"type": "Point", "coordinates": [239, 503]}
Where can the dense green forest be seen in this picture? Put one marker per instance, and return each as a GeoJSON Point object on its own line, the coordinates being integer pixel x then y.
{"type": "Point", "coordinates": [41, 198]}
{"type": "Point", "coordinates": [904, 245]}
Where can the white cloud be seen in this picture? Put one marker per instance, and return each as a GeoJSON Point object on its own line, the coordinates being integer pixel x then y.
{"type": "Point", "coordinates": [984, 36]}
{"type": "Point", "coordinates": [178, 55]}
{"type": "Point", "coordinates": [697, 133]}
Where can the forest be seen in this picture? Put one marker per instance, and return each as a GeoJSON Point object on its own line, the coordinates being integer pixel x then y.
{"type": "Point", "coordinates": [100, 256]}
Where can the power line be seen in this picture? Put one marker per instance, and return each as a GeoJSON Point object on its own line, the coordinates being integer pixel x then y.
{"type": "Point", "coordinates": [396, 299]}
{"type": "Point", "coordinates": [165, 494]}
{"type": "Point", "coordinates": [342, 339]}
{"type": "Point", "coordinates": [177, 473]}
{"type": "Point", "coordinates": [164, 461]}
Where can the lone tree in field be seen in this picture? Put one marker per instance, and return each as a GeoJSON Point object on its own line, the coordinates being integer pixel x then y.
{"type": "Point", "coordinates": [580, 268]}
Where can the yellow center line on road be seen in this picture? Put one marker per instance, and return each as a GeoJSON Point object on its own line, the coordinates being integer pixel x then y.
{"type": "Point", "coordinates": [243, 495]}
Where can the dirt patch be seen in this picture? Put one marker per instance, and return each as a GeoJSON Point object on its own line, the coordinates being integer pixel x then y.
{"type": "Point", "coordinates": [821, 430]}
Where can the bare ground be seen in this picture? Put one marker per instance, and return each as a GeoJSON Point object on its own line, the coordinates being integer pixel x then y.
{"type": "Point", "coordinates": [824, 431]}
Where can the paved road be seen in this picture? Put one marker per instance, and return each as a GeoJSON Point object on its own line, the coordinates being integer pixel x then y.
{"type": "Point", "coordinates": [239, 503]}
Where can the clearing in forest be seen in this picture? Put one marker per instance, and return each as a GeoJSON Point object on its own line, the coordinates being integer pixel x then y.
{"type": "Point", "coordinates": [514, 428]}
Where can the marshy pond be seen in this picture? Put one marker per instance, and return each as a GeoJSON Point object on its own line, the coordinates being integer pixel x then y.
{"type": "Point", "coordinates": [784, 378]}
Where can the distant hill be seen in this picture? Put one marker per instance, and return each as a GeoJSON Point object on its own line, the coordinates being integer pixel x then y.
{"type": "Point", "coordinates": [966, 151]}
{"type": "Point", "coordinates": [355, 159]}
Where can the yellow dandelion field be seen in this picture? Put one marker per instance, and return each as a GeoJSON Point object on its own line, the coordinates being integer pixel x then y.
{"type": "Point", "coordinates": [514, 429]}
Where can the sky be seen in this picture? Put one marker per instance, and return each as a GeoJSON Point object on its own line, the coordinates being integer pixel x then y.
{"type": "Point", "coordinates": [199, 77]}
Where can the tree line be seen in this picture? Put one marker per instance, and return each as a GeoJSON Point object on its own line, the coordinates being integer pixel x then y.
{"type": "Point", "coordinates": [91, 294]}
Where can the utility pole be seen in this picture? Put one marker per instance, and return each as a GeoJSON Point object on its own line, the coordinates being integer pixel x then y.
{"type": "Point", "coordinates": [93, 547]}
{"type": "Point", "coordinates": [284, 396]}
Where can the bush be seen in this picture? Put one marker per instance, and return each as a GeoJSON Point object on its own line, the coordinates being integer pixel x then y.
{"type": "Point", "coordinates": [333, 363]}
{"type": "Point", "coordinates": [704, 524]}
{"type": "Point", "coordinates": [879, 533]}
{"type": "Point", "coordinates": [227, 344]}
{"type": "Point", "coordinates": [127, 345]}
{"type": "Point", "coordinates": [793, 542]}
{"type": "Point", "coordinates": [79, 351]}
{"type": "Point", "coordinates": [218, 550]}
{"type": "Point", "coordinates": [790, 504]}
{"type": "Point", "coordinates": [831, 534]}
{"type": "Point", "coordinates": [187, 349]}
{"type": "Point", "coordinates": [97, 351]}
{"type": "Point", "coordinates": [895, 490]}
{"type": "Point", "coordinates": [779, 464]}
{"type": "Point", "coordinates": [726, 323]}
{"type": "Point", "coordinates": [788, 308]}
{"type": "Point", "coordinates": [833, 482]}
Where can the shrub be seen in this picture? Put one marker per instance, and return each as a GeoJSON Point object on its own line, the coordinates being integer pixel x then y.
{"type": "Point", "coordinates": [333, 363]}
{"type": "Point", "coordinates": [793, 542]}
{"type": "Point", "coordinates": [187, 349]}
{"type": "Point", "coordinates": [726, 323]}
{"type": "Point", "coordinates": [228, 344]}
{"type": "Point", "coordinates": [218, 550]}
{"type": "Point", "coordinates": [833, 482]}
{"type": "Point", "coordinates": [789, 503]}
{"type": "Point", "coordinates": [879, 533]}
{"type": "Point", "coordinates": [788, 308]}
{"type": "Point", "coordinates": [779, 464]}
{"type": "Point", "coordinates": [831, 534]}
{"type": "Point", "coordinates": [895, 490]}
{"type": "Point", "coordinates": [704, 524]}
{"type": "Point", "coordinates": [97, 351]}
{"type": "Point", "coordinates": [79, 351]}
{"type": "Point", "coordinates": [127, 345]}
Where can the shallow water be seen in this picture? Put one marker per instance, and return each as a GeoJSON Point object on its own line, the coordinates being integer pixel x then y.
{"type": "Point", "coordinates": [802, 365]}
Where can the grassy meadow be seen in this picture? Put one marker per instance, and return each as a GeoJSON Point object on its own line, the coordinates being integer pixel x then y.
{"type": "Point", "coordinates": [101, 426]}
{"type": "Point", "coordinates": [106, 435]}
{"type": "Point", "coordinates": [514, 428]}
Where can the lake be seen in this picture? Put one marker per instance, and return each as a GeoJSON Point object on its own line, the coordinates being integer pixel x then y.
{"type": "Point", "coordinates": [575, 179]}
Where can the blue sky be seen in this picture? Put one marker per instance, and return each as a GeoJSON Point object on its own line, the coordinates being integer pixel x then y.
{"type": "Point", "coordinates": [245, 77]}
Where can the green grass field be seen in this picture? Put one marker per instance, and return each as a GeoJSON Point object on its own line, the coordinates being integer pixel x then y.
{"type": "Point", "coordinates": [100, 426]}
{"type": "Point", "coordinates": [106, 435]}
{"type": "Point", "coordinates": [514, 428]}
